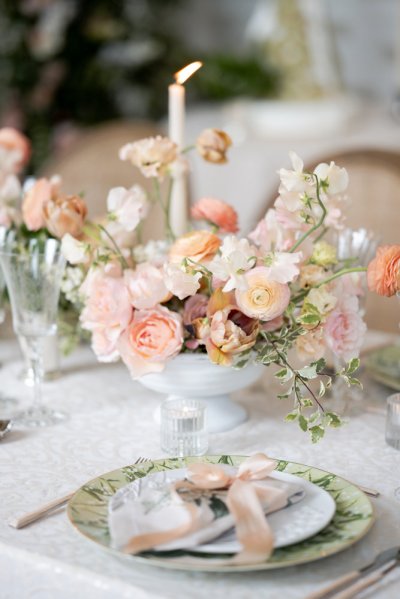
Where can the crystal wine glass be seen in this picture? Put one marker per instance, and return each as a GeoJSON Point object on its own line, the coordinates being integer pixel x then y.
{"type": "Point", "coordinates": [33, 278]}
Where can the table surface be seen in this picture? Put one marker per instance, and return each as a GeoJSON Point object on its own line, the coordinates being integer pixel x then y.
{"type": "Point", "coordinates": [110, 425]}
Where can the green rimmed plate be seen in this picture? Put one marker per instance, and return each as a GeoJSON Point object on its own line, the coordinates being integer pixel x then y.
{"type": "Point", "coordinates": [87, 511]}
{"type": "Point", "coordinates": [383, 365]}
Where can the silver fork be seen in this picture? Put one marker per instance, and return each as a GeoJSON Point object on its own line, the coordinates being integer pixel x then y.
{"type": "Point", "coordinates": [47, 508]}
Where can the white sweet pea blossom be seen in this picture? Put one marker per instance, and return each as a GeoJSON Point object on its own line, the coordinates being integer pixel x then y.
{"type": "Point", "coordinates": [127, 207]}
{"type": "Point", "coordinates": [296, 179]}
{"type": "Point", "coordinates": [282, 266]}
{"type": "Point", "coordinates": [179, 282]}
{"type": "Point", "coordinates": [74, 251]}
{"type": "Point", "coordinates": [236, 257]}
{"type": "Point", "coordinates": [336, 177]}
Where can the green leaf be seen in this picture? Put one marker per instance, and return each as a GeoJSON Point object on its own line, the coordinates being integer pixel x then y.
{"type": "Point", "coordinates": [309, 319]}
{"type": "Point", "coordinates": [319, 364]}
{"type": "Point", "coordinates": [317, 432]}
{"type": "Point", "coordinates": [308, 372]}
{"type": "Point", "coordinates": [353, 365]}
{"type": "Point", "coordinates": [284, 375]}
{"type": "Point", "coordinates": [306, 402]}
{"type": "Point", "coordinates": [303, 423]}
{"type": "Point", "coordinates": [333, 419]}
{"type": "Point", "coordinates": [322, 389]}
{"type": "Point", "coordinates": [292, 416]}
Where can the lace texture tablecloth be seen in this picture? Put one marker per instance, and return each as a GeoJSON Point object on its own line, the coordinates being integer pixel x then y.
{"type": "Point", "coordinates": [110, 425]}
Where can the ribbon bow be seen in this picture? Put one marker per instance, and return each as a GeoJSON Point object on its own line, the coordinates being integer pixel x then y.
{"type": "Point", "coordinates": [246, 501]}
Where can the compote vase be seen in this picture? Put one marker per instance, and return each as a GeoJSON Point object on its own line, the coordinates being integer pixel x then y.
{"type": "Point", "coordinates": [193, 376]}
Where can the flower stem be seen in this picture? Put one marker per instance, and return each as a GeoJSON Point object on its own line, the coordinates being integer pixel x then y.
{"type": "Point", "coordinates": [165, 208]}
{"type": "Point", "coordinates": [121, 257]}
{"type": "Point", "coordinates": [340, 273]}
{"type": "Point", "coordinates": [318, 224]}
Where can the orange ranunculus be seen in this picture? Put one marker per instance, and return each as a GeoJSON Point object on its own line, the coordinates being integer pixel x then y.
{"type": "Point", "coordinates": [217, 212]}
{"type": "Point", "coordinates": [383, 273]}
{"type": "Point", "coordinates": [65, 214]}
{"type": "Point", "coordinates": [212, 145]}
{"type": "Point", "coordinates": [14, 141]}
{"type": "Point", "coordinates": [197, 245]}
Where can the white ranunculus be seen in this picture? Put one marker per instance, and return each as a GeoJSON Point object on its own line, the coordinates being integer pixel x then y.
{"type": "Point", "coordinates": [127, 206]}
{"type": "Point", "coordinates": [74, 251]}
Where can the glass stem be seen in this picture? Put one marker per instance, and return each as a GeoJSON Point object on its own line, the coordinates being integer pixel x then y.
{"type": "Point", "coordinates": [35, 359]}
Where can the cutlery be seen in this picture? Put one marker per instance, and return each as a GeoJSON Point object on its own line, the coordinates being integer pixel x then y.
{"type": "Point", "coordinates": [43, 510]}
{"type": "Point", "coordinates": [353, 582]}
{"type": "Point", "coordinates": [5, 427]}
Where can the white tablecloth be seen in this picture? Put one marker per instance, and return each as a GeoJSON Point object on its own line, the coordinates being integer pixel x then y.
{"type": "Point", "coordinates": [110, 425]}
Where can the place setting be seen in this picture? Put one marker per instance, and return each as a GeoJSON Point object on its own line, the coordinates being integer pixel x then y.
{"type": "Point", "coordinates": [193, 385]}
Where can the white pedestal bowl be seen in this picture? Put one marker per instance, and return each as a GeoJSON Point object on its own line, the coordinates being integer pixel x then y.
{"type": "Point", "coordinates": [193, 376]}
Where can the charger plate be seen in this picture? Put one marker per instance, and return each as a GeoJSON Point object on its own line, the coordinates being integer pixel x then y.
{"type": "Point", "coordinates": [88, 510]}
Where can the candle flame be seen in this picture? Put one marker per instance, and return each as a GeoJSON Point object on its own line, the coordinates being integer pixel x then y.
{"type": "Point", "coordinates": [184, 74]}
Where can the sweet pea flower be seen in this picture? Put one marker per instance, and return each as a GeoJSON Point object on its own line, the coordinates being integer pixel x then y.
{"type": "Point", "coordinates": [217, 212]}
{"type": "Point", "coordinates": [15, 150]}
{"type": "Point", "coordinates": [65, 214]}
{"type": "Point", "coordinates": [127, 207]}
{"type": "Point", "coordinates": [152, 155]}
{"type": "Point", "coordinates": [146, 286]}
{"type": "Point", "coordinates": [152, 338]}
{"type": "Point", "coordinates": [270, 234]}
{"type": "Point", "coordinates": [294, 180]}
{"type": "Point", "coordinates": [236, 257]}
{"type": "Point", "coordinates": [335, 179]}
{"type": "Point", "coordinates": [383, 274]}
{"type": "Point", "coordinates": [345, 329]}
{"type": "Point", "coordinates": [74, 251]}
{"type": "Point", "coordinates": [180, 281]}
{"type": "Point", "coordinates": [263, 299]}
{"type": "Point", "coordinates": [213, 144]}
{"type": "Point", "coordinates": [282, 266]}
{"type": "Point", "coordinates": [199, 246]}
{"type": "Point", "coordinates": [107, 311]}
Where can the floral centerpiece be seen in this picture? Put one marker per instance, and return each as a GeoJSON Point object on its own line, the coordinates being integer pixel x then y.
{"type": "Point", "coordinates": [280, 290]}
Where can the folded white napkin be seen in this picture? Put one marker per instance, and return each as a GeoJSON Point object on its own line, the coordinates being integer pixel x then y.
{"type": "Point", "coordinates": [147, 506]}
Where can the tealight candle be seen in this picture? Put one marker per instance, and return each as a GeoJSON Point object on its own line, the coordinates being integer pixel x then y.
{"type": "Point", "coordinates": [183, 431]}
{"type": "Point", "coordinates": [178, 210]}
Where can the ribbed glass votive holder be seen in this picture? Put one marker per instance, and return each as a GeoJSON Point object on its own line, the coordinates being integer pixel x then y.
{"type": "Point", "coordinates": [393, 421]}
{"type": "Point", "coordinates": [183, 428]}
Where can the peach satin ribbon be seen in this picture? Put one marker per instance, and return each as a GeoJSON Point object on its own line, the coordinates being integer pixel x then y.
{"type": "Point", "coordinates": [246, 500]}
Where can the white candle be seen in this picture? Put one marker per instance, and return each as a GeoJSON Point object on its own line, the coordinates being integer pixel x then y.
{"type": "Point", "coordinates": [176, 130]}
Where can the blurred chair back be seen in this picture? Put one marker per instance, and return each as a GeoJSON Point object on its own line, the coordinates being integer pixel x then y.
{"type": "Point", "coordinates": [374, 192]}
{"type": "Point", "coordinates": [91, 165]}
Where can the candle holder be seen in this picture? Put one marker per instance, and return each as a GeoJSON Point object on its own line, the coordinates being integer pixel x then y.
{"type": "Point", "coordinates": [393, 421]}
{"type": "Point", "coordinates": [183, 429]}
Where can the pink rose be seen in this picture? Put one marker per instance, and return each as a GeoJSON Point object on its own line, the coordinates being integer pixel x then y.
{"type": "Point", "coordinates": [217, 212]}
{"type": "Point", "coordinates": [345, 329]}
{"type": "Point", "coordinates": [15, 149]}
{"type": "Point", "coordinates": [146, 286]}
{"type": "Point", "coordinates": [153, 337]}
{"type": "Point", "coordinates": [107, 310]}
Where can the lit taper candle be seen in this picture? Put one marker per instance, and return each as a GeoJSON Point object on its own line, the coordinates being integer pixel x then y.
{"type": "Point", "coordinates": [176, 130]}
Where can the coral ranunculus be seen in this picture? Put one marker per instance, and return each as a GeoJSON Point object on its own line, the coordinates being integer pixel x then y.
{"type": "Point", "coordinates": [264, 299]}
{"type": "Point", "coordinates": [217, 212]}
{"type": "Point", "coordinates": [153, 337]}
{"type": "Point", "coordinates": [199, 246]}
{"type": "Point", "coordinates": [383, 273]}
{"type": "Point", "coordinates": [65, 214]}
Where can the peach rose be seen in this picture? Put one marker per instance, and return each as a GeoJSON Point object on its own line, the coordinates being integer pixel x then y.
{"type": "Point", "coordinates": [383, 272]}
{"type": "Point", "coordinates": [153, 337]}
{"type": "Point", "coordinates": [41, 192]}
{"type": "Point", "coordinates": [65, 214]}
{"type": "Point", "coordinates": [16, 146]}
{"type": "Point", "coordinates": [146, 286]}
{"type": "Point", "coordinates": [107, 310]}
{"type": "Point", "coordinates": [197, 245]}
{"type": "Point", "coordinates": [152, 155]}
{"type": "Point", "coordinates": [212, 145]}
{"type": "Point", "coordinates": [263, 299]}
{"type": "Point", "coordinates": [217, 212]}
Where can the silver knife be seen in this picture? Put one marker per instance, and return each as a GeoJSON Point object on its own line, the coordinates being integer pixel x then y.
{"type": "Point", "coordinates": [389, 555]}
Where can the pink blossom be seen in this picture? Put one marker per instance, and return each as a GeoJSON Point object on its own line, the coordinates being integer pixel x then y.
{"type": "Point", "coordinates": [107, 310]}
{"type": "Point", "coordinates": [145, 286]}
{"type": "Point", "coordinates": [153, 337]}
{"type": "Point", "coordinates": [179, 282]}
{"type": "Point", "coordinates": [270, 234]}
{"type": "Point", "coordinates": [127, 207]}
{"type": "Point", "coordinates": [345, 329]}
{"type": "Point", "coordinates": [195, 307]}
